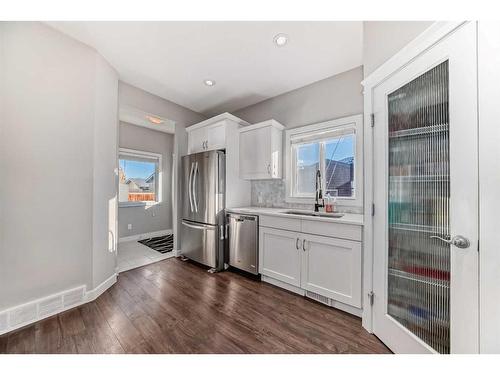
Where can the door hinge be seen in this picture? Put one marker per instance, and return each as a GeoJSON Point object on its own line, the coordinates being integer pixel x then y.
{"type": "Point", "coordinates": [373, 209]}
{"type": "Point", "coordinates": [372, 116]}
{"type": "Point", "coordinates": [371, 297]}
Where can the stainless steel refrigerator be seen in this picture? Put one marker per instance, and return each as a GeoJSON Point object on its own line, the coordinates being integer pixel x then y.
{"type": "Point", "coordinates": [203, 204]}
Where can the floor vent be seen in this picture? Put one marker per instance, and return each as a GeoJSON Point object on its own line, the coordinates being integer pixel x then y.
{"type": "Point", "coordinates": [50, 306]}
{"type": "Point", "coordinates": [318, 297]}
{"type": "Point", "coordinates": [23, 315]}
{"type": "Point", "coordinates": [42, 308]}
{"type": "Point", "coordinates": [73, 297]}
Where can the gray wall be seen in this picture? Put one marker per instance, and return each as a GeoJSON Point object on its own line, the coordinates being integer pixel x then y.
{"type": "Point", "coordinates": [334, 97]}
{"type": "Point", "coordinates": [382, 39]}
{"type": "Point", "coordinates": [49, 118]}
{"type": "Point", "coordinates": [183, 117]}
{"type": "Point", "coordinates": [146, 219]}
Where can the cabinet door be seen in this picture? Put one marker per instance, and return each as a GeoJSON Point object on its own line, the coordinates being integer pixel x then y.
{"type": "Point", "coordinates": [332, 267]}
{"type": "Point", "coordinates": [216, 136]}
{"type": "Point", "coordinates": [279, 255]}
{"type": "Point", "coordinates": [196, 140]}
{"type": "Point", "coordinates": [255, 154]}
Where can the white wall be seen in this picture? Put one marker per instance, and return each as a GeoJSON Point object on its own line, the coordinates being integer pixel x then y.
{"type": "Point", "coordinates": [52, 115]}
{"type": "Point", "coordinates": [489, 185]}
{"type": "Point", "coordinates": [382, 39]}
{"type": "Point", "coordinates": [104, 192]}
{"type": "Point", "coordinates": [145, 219]}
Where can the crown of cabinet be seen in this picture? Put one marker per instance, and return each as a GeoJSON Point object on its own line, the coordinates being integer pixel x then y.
{"type": "Point", "coordinates": [261, 150]}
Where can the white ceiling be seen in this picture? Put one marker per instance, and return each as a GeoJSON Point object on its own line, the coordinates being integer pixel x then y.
{"type": "Point", "coordinates": [172, 59]}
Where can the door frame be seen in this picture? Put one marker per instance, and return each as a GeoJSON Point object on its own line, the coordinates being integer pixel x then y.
{"type": "Point", "coordinates": [432, 35]}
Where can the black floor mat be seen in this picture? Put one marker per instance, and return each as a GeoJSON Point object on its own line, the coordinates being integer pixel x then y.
{"type": "Point", "coordinates": [162, 244]}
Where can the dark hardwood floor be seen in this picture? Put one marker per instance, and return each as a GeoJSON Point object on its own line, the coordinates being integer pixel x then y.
{"type": "Point", "coordinates": [177, 307]}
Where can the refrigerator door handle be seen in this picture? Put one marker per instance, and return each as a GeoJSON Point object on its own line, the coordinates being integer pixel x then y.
{"type": "Point", "coordinates": [194, 187]}
{"type": "Point", "coordinates": [195, 226]}
{"type": "Point", "coordinates": [190, 187]}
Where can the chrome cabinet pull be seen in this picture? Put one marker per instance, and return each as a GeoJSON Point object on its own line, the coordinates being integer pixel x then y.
{"type": "Point", "coordinates": [297, 243]}
{"type": "Point", "coordinates": [269, 169]}
{"type": "Point", "coordinates": [304, 245]}
{"type": "Point", "coordinates": [459, 241]}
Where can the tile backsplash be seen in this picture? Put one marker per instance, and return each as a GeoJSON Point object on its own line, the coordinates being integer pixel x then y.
{"type": "Point", "coordinates": [272, 193]}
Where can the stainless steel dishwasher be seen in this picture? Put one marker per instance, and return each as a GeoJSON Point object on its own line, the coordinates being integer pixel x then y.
{"type": "Point", "coordinates": [243, 242]}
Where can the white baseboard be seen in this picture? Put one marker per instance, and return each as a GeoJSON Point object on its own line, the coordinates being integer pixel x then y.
{"type": "Point", "coordinates": [142, 236]}
{"type": "Point", "coordinates": [22, 315]}
{"type": "Point", "coordinates": [101, 288]}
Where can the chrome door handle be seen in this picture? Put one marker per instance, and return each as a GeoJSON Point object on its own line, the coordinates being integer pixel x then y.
{"type": "Point", "coordinates": [297, 243]}
{"type": "Point", "coordinates": [304, 245]}
{"type": "Point", "coordinates": [194, 226]}
{"type": "Point", "coordinates": [459, 241]}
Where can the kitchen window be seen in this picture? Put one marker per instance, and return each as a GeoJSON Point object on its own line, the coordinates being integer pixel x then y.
{"type": "Point", "coordinates": [139, 178]}
{"type": "Point", "coordinates": [335, 149]}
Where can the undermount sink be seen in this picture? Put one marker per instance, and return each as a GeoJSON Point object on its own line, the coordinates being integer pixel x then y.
{"type": "Point", "coordinates": [312, 213]}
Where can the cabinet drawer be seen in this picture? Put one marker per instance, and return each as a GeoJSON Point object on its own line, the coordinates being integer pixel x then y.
{"type": "Point", "coordinates": [279, 223]}
{"type": "Point", "coordinates": [345, 231]}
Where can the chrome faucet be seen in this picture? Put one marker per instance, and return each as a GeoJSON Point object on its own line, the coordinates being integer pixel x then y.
{"type": "Point", "coordinates": [319, 192]}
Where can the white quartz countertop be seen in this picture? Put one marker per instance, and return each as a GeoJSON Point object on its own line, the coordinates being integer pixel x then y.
{"type": "Point", "coordinates": [355, 219]}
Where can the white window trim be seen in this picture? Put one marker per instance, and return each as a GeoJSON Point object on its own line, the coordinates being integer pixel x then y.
{"type": "Point", "coordinates": [159, 185]}
{"type": "Point", "coordinates": [356, 122]}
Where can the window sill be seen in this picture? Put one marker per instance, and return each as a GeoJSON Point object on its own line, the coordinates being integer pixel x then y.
{"type": "Point", "coordinates": [137, 204]}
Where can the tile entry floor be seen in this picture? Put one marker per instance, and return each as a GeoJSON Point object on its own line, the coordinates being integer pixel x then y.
{"type": "Point", "coordinates": [132, 254]}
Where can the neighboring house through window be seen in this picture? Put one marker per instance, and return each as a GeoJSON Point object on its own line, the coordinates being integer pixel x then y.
{"type": "Point", "coordinates": [335, 149]}
{"type": "Point", "coordinates": [139, 176]}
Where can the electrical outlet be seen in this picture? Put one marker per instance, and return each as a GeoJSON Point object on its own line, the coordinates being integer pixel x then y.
{"type": "Point", "coordinates": [129, 226]}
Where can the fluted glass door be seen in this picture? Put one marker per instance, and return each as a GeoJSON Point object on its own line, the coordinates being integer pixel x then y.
{"type": "Point", "coordinates": [419, 199]}
{"type": "Point", "coordinates": [425, 258]}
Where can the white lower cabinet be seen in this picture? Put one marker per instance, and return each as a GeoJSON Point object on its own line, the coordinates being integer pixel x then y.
{"type": "Point", "coordinates": [328, 266]}
{"type": "Point", "coordinates": [280, 255]}
{"type": "Point", "coordinates": [331, 267]}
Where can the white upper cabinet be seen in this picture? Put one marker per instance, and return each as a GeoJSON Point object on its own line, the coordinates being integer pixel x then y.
{"type": "Point", "coordinates": [197, 140]}
{"type": "Point", "coordinates": [216, 136]}
{"type": "Point", "coordinates": [212, 137]}
{"type": "Point", "coordinates": [212, 134]}
{"type": "Point", "coordinates": [261, 150]}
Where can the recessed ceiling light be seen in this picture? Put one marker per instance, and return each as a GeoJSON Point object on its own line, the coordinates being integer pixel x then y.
{"type": "Point", "coordinates": [154, 120]}
{"type": "Point", "coordinates": [209, 82]}
{"type": "Point", "coordinates": [280, 39]}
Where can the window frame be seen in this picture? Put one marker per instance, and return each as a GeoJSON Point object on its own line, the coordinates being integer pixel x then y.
{"type": "Point", "coordinates": [159, 181]}
{"type": "Point", "coordinates": [351, 122]}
